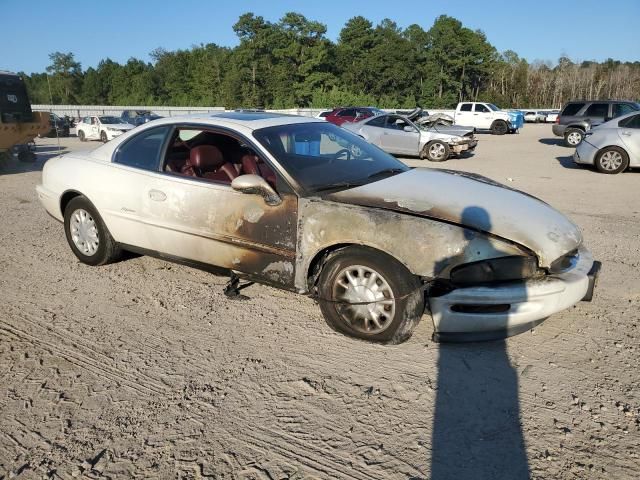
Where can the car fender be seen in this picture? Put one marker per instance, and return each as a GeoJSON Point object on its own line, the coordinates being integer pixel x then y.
{"type": "Point", "coordinates": [427, 247]}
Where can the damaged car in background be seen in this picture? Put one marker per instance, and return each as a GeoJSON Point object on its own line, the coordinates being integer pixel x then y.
{"type": "Point", "coordinates": [400, 136]}
{"type": "Point", "coordinates": [309, 207]}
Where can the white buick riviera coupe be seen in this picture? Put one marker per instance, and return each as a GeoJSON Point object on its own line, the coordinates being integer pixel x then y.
{"type": "Point", "coordinates": [309, 207]}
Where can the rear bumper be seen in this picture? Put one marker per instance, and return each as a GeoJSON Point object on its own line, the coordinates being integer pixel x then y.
{"type": "Point", "coordinates": [502, 310]}
{"type": "Point", "coordinates": [558, 130]}
{"type": "Point", "coordinates": [585, 153]}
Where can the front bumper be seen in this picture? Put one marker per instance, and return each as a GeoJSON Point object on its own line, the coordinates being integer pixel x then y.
{"type": "Point", "coordinates": [502, 310]}
{"type": "Point", "coordinates": [463, 146]}
{"type": "Point", "coordinates": [50, 202]}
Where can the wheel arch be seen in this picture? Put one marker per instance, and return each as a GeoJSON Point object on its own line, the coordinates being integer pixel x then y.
{"type": "Point", "coordinates": [66, 197]}
{"type": "Point", "coordinates": [314, 267]}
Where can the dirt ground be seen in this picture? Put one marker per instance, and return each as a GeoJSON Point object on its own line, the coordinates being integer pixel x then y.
{"type": "Point", "coordinates": [144, 369]}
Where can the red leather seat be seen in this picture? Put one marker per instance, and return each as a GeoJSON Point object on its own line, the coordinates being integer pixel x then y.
{"type": "Point", "coordinates": [253, 165]}
{"type": "Point", "coordinates": [206, 161]}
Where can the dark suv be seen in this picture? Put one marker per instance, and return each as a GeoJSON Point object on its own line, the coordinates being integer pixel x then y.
{"type": "Point", "coordinates": [578, 116]}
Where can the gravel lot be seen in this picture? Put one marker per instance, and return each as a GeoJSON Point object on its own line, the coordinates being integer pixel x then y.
{"type": "Point", "coordinates": [144, 369]}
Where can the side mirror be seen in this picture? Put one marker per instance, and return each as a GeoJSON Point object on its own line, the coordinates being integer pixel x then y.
{"type": "Point", "coordinates": [255, 184]}
{"type": "Point", "coordinates": [409, 128]}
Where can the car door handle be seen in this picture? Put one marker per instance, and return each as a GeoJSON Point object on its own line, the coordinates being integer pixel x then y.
{"type": "Point", "coordinates": [157, 195]}
{"type": "Point", "coordinates": [625, 133]}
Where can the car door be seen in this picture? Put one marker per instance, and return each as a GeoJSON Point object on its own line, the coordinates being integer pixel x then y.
{"type": "Point", "coordinates": [121, 187]}
{"type": "Point", "coordinates": [396, 140]}
{"type": "Point", "coordinates": [629, 133]}
{"type": "Point", "coordinates": [597, 113]}
{"type": "Point", "coordinates": [93, 132]}
{"type": "Point", "coordinates": [373, 130]}
{"type": "Point", "coordinates": [483, 117]}
{"type": "Point", "coordinates": [464, 115]}
{"type": "Point", "coordinates": [210, 223]}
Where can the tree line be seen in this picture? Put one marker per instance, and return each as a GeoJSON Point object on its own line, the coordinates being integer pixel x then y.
{"type": "Point", "coordinates": [291, 63]}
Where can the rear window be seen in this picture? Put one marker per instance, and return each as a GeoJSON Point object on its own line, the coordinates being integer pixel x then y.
{"type": "Point", "coordinates": [572, 108]}
{"type": "Point", "coordinates": [597, 110]}
{"type": "Point", "coordinates": [620, 109]}
{"type": "Point", "coordinates": [465, 107]}
{"type": "Point", "coordinates": [630, 122]}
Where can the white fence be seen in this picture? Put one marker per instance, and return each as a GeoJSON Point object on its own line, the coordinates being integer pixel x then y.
{"type": "Point", "coordinates": [78, 111]}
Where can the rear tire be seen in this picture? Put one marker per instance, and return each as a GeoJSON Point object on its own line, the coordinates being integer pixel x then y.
{"type": "Point", "coordinates": [87, 234]}
{"type": "Point", "coordinates": [573, 137]}
{"type": "Point", "coordinates": [499, 127]}
{"type": "Point", "coordinates": [361, 274]}
{"type": "Point", "coordinates": [103, 137]}
{"type": "Point", "coordinates": [612, 160]}
{"type": "Point", "coordinates": [81, 136]}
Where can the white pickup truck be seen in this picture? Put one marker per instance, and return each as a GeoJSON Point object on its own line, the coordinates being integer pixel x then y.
{"type": "Point", "coordinates": [486, 116]}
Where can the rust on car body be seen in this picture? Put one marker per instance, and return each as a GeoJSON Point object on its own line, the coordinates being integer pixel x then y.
{"type": "Point", "coordinates": [441, 246]}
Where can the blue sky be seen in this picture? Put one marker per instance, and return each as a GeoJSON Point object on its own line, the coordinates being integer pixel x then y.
{"type": "Point", "coordinates": [120, 29]}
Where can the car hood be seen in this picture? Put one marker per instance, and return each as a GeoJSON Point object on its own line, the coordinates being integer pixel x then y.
{"type": "Point", "coordinates": [475, 202]}
{"type": "Point", "coordinates": [448, 130]}
{"type": "Point", "coordinates": [119, 126]}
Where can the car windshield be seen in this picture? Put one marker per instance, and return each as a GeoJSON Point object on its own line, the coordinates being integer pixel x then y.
{"type": "Point", "coordinates": [322, 156]}
{"type": "Point", "coordinates": [493, 107]}
{"type": "Point", "coordinates": [109, 120]}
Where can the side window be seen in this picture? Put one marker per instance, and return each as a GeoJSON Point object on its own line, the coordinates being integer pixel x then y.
{"type": "Point", "coordinates": [620, 109]}
{"type": "Point", "coordinates": [465, 107]}
{"type": "Point", "coordinates": [630, 122]}
{"type": "Point", "coordinates": [396, 123]}
{"type": "Point", "coordinates": [572, 109]}
{"type": "Point", "coordinates": [348, 112]}
{"type": "Point", "coordinates": [143, 150]}
{"type": "Point", "coordinates": [86, 120]}
{"type": "Point", "coordinates": [377, 122]}
{"type": "Point", "coordinates": [481, 108]}
{"type": "Point", "coordinates": [597, 110]}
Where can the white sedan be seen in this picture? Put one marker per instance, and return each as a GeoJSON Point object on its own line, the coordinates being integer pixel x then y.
{"type": "Point", "coordinates": [306, 206]}
{"type": "Point", "coordinates": [102, 128]}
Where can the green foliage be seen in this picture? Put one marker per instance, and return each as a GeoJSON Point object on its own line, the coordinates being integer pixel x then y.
{"type": "Point", "coordinates": [291, 63]}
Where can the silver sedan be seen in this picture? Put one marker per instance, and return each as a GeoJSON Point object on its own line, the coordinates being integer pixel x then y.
{"type": "Point", "coordinates": [613, 146]}
{"type": "Point", "coordinates": [398, 135]}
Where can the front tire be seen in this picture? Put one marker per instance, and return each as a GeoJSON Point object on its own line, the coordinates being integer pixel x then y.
{"type": "Point", "coordinates": [103, 137]}
{"type": "Point", "coordinates": [436, 151]}
{"type": "Point", "coordinates": [612, 160]}
{"type": "Point", "coordinates": [499, 127]}
{"type": "Point", "coordinates": [87, 234]}
{"type": "Point", "coordinates": [573, 137]}
{"type": "Point", "coordinates": [356, 275]}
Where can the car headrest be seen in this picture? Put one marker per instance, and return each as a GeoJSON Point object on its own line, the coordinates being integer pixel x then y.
{"type": "Point", "coordinates": [205, 157]}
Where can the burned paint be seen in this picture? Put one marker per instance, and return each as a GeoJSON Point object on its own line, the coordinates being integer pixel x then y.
{"type": "Point", "coordinates": [425, 246]}
{"type": "Point", "coordinates": [474, 202]}
{"type": "Point", "coordinates": [279, 272]}
{"type": "Point", "coordinates": [253, 213]}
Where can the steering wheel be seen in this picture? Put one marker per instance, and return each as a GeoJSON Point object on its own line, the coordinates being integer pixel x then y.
{"type": "Point", "coordinates": [339, 153]}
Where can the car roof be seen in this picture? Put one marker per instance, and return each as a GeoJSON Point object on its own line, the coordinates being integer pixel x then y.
{"type": "Point", "coordinates": [249, 120]}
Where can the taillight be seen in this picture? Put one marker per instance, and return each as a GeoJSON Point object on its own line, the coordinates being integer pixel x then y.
{"type": "Point", "coordinates": [558, 120]}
